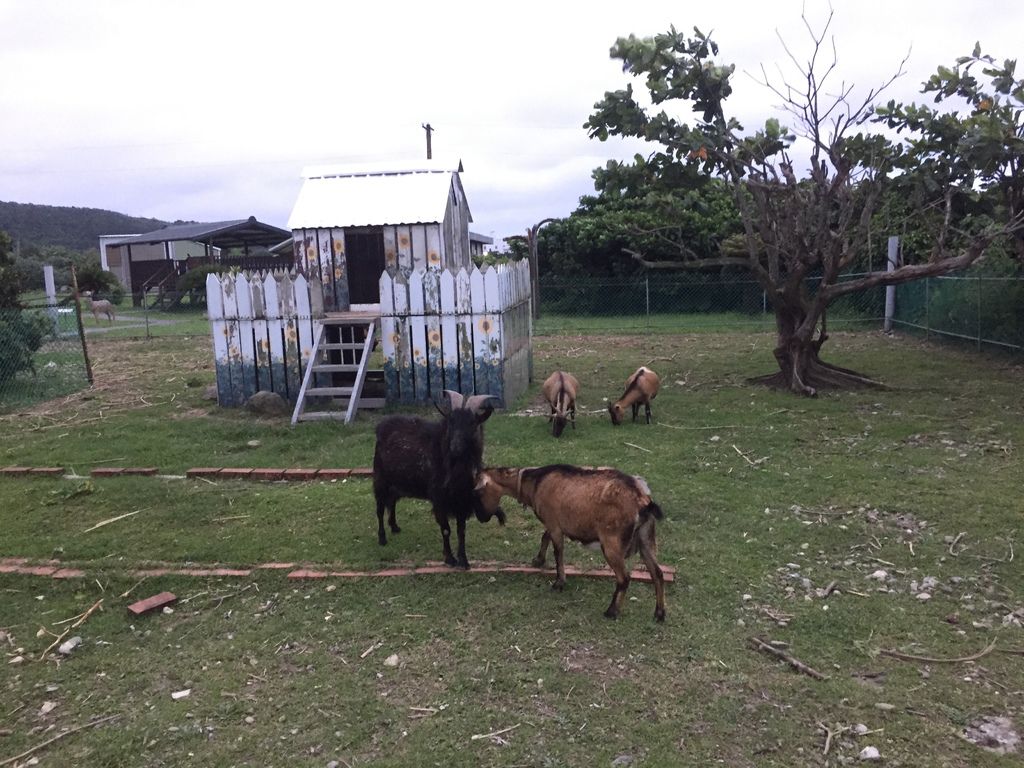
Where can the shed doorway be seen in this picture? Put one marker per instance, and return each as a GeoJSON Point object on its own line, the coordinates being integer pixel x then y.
{"type": "Point", "coordinates": [364, 251]}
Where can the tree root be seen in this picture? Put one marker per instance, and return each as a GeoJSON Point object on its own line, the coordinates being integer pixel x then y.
{"type": "Point", "coordinates": [818, 375]}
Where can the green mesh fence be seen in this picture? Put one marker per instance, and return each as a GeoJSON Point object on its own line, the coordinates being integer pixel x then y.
{"type": "Point", "coordinates": [985, 311]}
{"type": "Point", "coordinates": [41, 355]}
{"type": "Point", "coordinates": [680, 303]}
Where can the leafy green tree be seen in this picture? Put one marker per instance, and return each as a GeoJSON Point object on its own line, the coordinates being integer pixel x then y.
{"type": "Point", "coordinates": [968, 167]}
{"type": "Point", "coordinates": [10, 284]}
{"type": "Point", "coordinates": [798, 225]}
{"type": "Point", "coordinates": [21, 331]}
{"type": "Point", "coordinates": [638, 208]}
{"type": "Point", "coordinates": [100, 283]}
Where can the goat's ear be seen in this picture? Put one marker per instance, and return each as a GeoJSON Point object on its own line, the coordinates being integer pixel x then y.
{"type": "Point", "coordinates": [481, 482]}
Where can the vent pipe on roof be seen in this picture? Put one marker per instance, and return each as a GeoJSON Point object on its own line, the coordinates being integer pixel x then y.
{"type": "Point", "coordinates": [429, 130]}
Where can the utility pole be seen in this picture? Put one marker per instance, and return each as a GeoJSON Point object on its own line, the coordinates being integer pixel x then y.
{"type": "Point", "coordinates": [429, 130]}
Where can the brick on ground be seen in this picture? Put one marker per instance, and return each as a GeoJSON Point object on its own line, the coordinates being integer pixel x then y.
{"type": "Point", "coordinates": [236, 473]}
{"type": "Point", "coordinates": [152, 603]}
{"type": "Point", "coordinates": [202, 472]}
{"type": "Point", "coordinates": [300, 474]}
{"type": "Point", "coordinates": [266, 474]}
{"type": "Point", "coordinates": [107, 471]}
{"type": "Point", "coordinates": [333, 474]}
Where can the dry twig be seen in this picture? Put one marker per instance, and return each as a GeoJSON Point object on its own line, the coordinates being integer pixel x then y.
{"type": "Point", "coordinates": [932, 660]}
{"type": "Point", "coordinates": [639, 448]}
{"type": "Point", "coordinates": [58, 737]}
{"type": "Point", "coordinates": [110, 520]}
{"type": "Point", "coordinates": [830, 735]}
{"type": "Point", "coordinates": [956, 541]}
{"type": "Point", "coordinates": [492, 734]}
{"type": "Point", "coordinates": [748, 459]}
{"type": "Point", "coordinates": [798, 665]}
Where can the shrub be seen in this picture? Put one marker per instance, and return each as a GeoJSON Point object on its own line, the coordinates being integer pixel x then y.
{"type": "Point", "coordinates": [193, 282]}
{"type": "Point", "coordinates": [102, 284]}
{"type": "Point", "coordinates": [21, 334]}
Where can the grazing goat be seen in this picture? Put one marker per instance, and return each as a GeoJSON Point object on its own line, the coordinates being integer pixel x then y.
{"type": "Point", "coordinates": [433, 460]}
{"type": "Point", "coordinates": [560, 391]}
{"type": "Point", "coordinates": [641, 387]}
{"type": "Point", "coordinates": [101, 307]}
{"type": "Point", "coordinates": [601, 506]}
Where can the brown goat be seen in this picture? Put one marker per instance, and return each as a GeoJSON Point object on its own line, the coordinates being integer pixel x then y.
{"type": "Point", "coordinates": [596, 507]}
{"type": "Point", "coordinates": [641, 388]}
{"type": "Point", "coordinates": [560, 390]}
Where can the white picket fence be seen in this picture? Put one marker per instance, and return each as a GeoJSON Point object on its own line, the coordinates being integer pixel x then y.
{"type": "Point", "coordinates": [465, 331]}
{"type": "Point", "coordinates": [264, 325]}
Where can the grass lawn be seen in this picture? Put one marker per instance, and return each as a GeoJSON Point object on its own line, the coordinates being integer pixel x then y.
{"type": "Point", "coordinates": [771, 502]}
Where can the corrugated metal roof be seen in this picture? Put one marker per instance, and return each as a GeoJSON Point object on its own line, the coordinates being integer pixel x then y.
{"type": "Point", "coordinates": [228, 234]}
{"type": "Point", "coordinates": [369, 199]}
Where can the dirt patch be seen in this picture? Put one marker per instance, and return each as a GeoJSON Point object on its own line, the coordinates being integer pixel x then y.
{"type": "Point", "coordinates": [996, 734]}
{"type": "Point", "coordinates": [585, 660]}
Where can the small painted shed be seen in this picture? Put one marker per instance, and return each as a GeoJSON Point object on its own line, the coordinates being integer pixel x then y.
{"type": "Point", "coordinates": [350, 225]}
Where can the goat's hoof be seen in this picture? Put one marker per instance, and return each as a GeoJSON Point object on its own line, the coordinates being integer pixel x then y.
{"type": "Point", "coordinates": [382, 540]}
{"type": "Point", "coordinates": [659, 614]}
{"type": "Point", "coordinates": [451, 562]}
{"type": "Point", "coordinates": [463, 564]}
{"type": "Point", "coordinates": [395, 529]}
{"type": "Point", "coordinates": [611, 613]}
{"type": "Point", "coordinates": [557, 586]}
{"type": "Point", "coordinates": [500, 514]}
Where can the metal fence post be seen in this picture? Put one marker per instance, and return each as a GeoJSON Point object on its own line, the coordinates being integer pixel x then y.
{"type": "Point", "coordinates": [979, 312]}
{"type": "Point", "coordinates": [890, 290]}
{"type": "Point", "coordinates": [927, 307]}
{"type": "Point", "coordinates": [647, 290]}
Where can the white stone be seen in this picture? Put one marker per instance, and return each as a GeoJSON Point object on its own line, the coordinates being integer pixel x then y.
{"type": "Point", "coordinates": [869, 753]}
{"type": "Point", "coordinates": [391, 661]}
{"type": "Point", "coordinates": [879, 575]}
{"type": "Point", "coordinates": [68, 646]}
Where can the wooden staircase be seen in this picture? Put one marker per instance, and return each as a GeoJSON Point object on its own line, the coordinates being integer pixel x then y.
{"type": "Point", "coordinates": [340, 368]}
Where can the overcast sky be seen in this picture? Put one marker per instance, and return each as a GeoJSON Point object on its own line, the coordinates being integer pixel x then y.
{"type": "Point", "coordinates": [208, 110]}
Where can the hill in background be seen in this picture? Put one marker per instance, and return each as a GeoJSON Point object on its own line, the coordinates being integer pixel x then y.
{"type": "Point", "coordinates": [76, 228]}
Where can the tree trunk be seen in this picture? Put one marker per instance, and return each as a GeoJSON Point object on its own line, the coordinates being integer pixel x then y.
{"type": "Point", "coordinates": [801, 369]}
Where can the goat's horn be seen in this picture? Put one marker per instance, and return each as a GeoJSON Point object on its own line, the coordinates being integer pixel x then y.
{"type": "Point", "coordinates": [476, 402]}
{"type": "Point", "coordinates": [455, 399]}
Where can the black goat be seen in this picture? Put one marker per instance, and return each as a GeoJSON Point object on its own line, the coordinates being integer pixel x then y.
{"type": "Point", "coordinates": [437, 461]}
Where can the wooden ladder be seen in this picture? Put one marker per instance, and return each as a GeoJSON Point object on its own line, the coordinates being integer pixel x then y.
{"type": "Point", "coordinates": [360, 354]}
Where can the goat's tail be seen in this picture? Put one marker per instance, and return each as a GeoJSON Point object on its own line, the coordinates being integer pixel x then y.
{"type": "Point", "coordinates": [651, 510]}
{"type": "Point", "coordinates": [642, 537]}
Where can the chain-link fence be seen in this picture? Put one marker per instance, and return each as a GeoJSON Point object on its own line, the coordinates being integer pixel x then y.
{"type": "Point", "coordinates": [41, 354]}
{"type": "Point", "coordinates": [985, 311]}
{"type": "Point", "coordinates": [679, 303]}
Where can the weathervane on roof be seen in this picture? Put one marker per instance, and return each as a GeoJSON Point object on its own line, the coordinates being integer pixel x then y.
{"type": "Point", "coordinates": [429, 130]}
